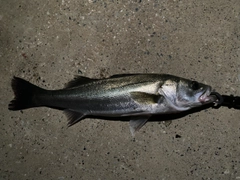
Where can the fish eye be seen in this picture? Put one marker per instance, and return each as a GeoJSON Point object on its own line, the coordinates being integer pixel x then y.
{"type": "Point", "coordinates": [194, 85]}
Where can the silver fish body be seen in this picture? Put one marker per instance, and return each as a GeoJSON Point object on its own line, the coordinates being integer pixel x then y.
{"type": "Point", "coordinates": [135, 95]}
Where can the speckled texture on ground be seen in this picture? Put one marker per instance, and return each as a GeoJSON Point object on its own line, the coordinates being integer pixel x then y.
{"type": "Point", "coordinates": [48, 42]}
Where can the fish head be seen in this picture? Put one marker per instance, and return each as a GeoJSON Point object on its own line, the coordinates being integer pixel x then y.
{"type": "Point", "coordinates": [183, 94]}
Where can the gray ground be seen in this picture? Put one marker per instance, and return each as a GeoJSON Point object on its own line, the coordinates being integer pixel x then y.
{"type": "Point", "coordinates": [48, 42]}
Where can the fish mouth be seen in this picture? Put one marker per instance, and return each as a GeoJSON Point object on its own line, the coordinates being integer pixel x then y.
{"type": "Point", "coordinates": [207, 97]}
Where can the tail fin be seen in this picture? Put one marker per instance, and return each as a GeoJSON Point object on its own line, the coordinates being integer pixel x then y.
{"type": "Point", "coordinates": [24, 93]}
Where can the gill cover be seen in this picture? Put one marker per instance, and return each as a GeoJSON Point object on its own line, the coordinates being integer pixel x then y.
{"type": "Point", "coordinates": [184, 94]}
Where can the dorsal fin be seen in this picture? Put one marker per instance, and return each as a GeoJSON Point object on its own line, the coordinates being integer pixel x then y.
{"type": "Point", "coordinates": [121, 75]}
{"type": "Point", "coordinates": [79, 80]}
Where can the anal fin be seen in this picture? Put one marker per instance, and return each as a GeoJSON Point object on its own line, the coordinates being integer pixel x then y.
{"type": "Point", "coordinates": [73, 117]}
{"type": "Point", "coordinates": [136, 123]}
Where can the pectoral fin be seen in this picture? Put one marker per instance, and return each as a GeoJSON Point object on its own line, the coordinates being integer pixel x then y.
{"type": "Point", "coordinates": [137, 123]}
{"type": "Point", "coordinates": [145, 98]}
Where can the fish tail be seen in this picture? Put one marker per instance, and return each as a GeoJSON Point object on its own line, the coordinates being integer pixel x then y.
{"type": "Point", "coordinates": [24, 94]}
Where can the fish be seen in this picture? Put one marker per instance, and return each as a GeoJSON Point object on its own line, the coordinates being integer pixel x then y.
{"type": "Point", "coordinates": [137, 96]}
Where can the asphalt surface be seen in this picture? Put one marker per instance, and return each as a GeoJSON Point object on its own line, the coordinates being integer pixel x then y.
{"type": "Point", "coordinates": [49, 42]}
